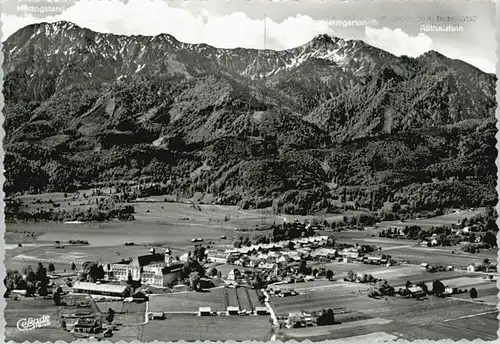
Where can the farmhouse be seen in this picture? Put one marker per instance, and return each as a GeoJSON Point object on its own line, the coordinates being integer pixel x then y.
{"type": "Point", "coordinates": [350, 256]}
{"type": "Point", "coordinates": [416, 292]}
{"type": "Point", "coordinates": [154, 269]}
{"type": "Point", "coordinates": [294, 320]}
{"type": "Point", "coordinates": [375, 260]}
{"type": "Point", "coordinates": [324, 253]}
{"type": "Point", "coordinates": [101, 289]}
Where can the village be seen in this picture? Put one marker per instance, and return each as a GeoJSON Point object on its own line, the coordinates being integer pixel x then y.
{"type": "Point", "coordinates": [283, 284]}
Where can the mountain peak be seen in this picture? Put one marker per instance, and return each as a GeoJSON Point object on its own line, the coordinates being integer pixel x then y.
{"type": "Point", "coordinates": [325, 38]}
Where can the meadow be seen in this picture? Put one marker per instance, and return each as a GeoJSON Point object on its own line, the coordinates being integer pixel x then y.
{"type": "Point", "coordinates": [410, 319]}
{"type": "Point", "coordinates": [192, 328]}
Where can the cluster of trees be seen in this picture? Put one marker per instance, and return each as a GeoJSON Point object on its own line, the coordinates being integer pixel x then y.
{"type": "Point", "coordinates": [322, 272]}
{"type": "Point", "coordinates": [381, 288]}
{"type": "Point", "coordinates": [483, 222]}
{"type": "Point", "coordinates": [78, 242]}
{"type": "Point", "coordinates": [92, 271]}
{"type": "Point", "coordinates": [110, 315]}
{"type": "Point", "coordinates": [290, 230]}
{"type": "Point", "coordinates": [98, 214]}
{"type": "Point", "coordinates": [31, 281]}
{"type": "Point", "coordinates": [326, 318]}
{"type": "Point", "coordinates": [444, 235]}
{"type": "Point", "coordinates": [193, 270]}
{"type": "Point", "coordinates": [242, 241]}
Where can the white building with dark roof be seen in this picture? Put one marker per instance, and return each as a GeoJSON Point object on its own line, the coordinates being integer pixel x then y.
{"type": "Point", "coordinates": [156, 269]}
{"type": "Point", "coordinates": [101, 289]}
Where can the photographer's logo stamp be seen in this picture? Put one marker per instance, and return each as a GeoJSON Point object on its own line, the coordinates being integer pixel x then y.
{"type": "Point", "coordinates": [30, 324]}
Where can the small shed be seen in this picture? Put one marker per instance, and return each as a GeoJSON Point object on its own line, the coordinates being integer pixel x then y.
{"type": "Point", "coordinates": [157, 315]}
{"type": "Point", "coordinates": [232, 310]}
{"type": "Point", "coordinates": [261, 310]}
{"type": "Point", "coordinates": [204, 311]}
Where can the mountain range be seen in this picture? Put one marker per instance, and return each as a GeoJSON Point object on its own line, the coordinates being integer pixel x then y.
{"type": "Point", "coordinates": [313, 128]}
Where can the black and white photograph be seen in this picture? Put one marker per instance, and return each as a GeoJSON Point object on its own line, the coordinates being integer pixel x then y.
{"type": "Point", "coordinates": [216, 170]}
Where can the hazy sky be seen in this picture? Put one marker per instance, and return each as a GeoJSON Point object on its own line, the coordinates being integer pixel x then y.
{"type": "Point", "coordinates": [393, 25]}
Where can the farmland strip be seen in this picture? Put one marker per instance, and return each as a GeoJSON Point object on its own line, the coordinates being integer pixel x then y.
{"type": "Point", "coordinates": [237, 298]}
{"type": "Point", "coordinates": [233, 301]}
{"type": "Point", "coordinates": [226, 298]}
{"type": "Point", "coordinates": [249, 299]}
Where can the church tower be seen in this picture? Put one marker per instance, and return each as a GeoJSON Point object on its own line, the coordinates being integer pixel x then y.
{"type": "Point", "coordinates": [168, 257]}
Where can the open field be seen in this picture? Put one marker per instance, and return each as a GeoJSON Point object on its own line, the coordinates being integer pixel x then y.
{"type": "Point", "coordinates": [159, 222]}
{"type": "Point", "coordinates": [431, 318]}
{"type": "Point", "coordinates": [188, 301]}
{"type": "Point", "coordinates": [440, 256]}
{"type": "Point", "coordinates": [18, 258]}
{"type": "Point", "coordinates": [443, 220]}
{"type": "Point", "coordinates": [191, 328]}
{"type": "Point", "coordinates": [411, 251]}
{"type": "Point", "coordinates": [393, 274]}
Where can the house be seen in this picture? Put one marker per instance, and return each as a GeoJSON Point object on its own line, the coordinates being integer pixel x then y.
{"type": "Point", "coordinates": [424, 265]}
{"type": "Point", "coordinates": [204, 311]}
{"type": "Point", "coordinates": [294, 320]}
{"type": "Point", "coordinates": [234, 275]}
{"type": "Point", "coordinates": [101, 289]}
{"type": "Point", "coordinates": [350, 256]}
{"type": "Point", "coordinates": [471, 268]}
{"type": "Point", "coordinates": [435, 242]}
{"type": "Point", "coordinates": [217, 257]}
{"type": "Point", "coordinates": [324, 253]}
{"type": "Point", "coordinates": [424, 243]}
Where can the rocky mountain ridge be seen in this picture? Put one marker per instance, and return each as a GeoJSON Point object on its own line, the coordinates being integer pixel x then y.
{"type": "Point", "coordinates": [83, 106]}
